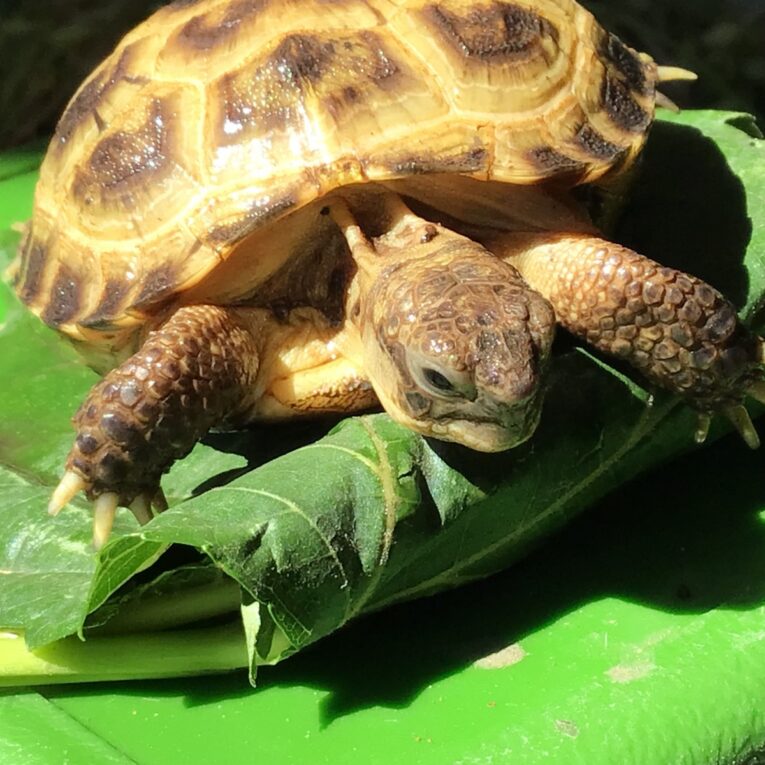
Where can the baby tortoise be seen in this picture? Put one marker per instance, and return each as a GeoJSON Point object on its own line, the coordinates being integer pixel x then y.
{"type": "Point", "coordinates": [259, 209]}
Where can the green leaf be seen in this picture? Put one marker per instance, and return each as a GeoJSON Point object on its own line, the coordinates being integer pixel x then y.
{"type": "Point", "coordinates": [49, 576]}
{"type": "Point", "coordinates": [369, 514]}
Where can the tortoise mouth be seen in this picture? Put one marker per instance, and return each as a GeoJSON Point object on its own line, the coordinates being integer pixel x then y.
{"type": "Point", "coordinates": [510, 427]}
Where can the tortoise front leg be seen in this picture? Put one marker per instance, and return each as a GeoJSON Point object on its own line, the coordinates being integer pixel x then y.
{"type": "Point", "coordinates": [196, 370]}
{"type": "Point", "coordinates": [680, 332]}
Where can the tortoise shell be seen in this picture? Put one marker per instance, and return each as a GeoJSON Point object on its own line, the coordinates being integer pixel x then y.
{"type": "Point", "coordinates": [216, 118]}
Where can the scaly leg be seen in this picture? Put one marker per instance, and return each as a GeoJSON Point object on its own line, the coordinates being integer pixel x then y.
{"type": "Point", "coordinates": [196, 370]}
{"type": "Point", "coordinates": [680, 332]}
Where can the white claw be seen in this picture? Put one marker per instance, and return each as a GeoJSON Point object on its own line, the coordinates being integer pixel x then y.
{"type": "Point", "coordinates": [743, 424]}
{"type": "Point", "coordinates": [757, 391]}
{"type": "Point", "coordinates": [159, 501]}
{"type": "Point", "coordinates": [666, 102]}
{"type": "Point", "coordinates": [68, 488]}
{"type": "Point", "coordinates": [702, 428]}
{"type": "Point", "coordinates": [104, 512]}
{"type": "Point", "coordinates": [141, 509]}
{"type": "Point", "coordinates": [671, 73]}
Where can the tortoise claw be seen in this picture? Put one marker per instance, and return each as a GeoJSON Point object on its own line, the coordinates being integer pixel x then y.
{"type": "Point", "coordinates": [159, 501]}
{"type": "Point", "coordinates": [105, 505]}
{"type": "Point", "coordinates": [741, 420]}
{"type": "Point", "coordinates": [702, 427]}
{"type": "Point", "coordinates": [757, 391]}
{"type": "Point", "coordinates": [147, 504]}
{"type": "Point", "coordinates": [737, 415]}
{"type": "Point", "coordinates": [104, 513]}
{"type": "Point", "coordinates": [68, 488]}
{"type": "Point", "coordinates": [674, 73]}
{"type": "Point", "coordinates": [141, 508]}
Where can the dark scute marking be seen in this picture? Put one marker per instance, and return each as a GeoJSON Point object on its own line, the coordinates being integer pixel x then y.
{"type": "Point", "coordinates": [156, 285]}
{"type": "Point", "coordinates": [595, 144]}
{"type": "Point", "coordinates": [303, 57]}
{"type": "Point", "coordinates": [238, 109]}
{"type": "Point", "coordinates": [64, 299]}
{"type": "Point", "coordinates": [498, 30]}
{"type": "Point", "coordinates": [268, 96]}
{"type": "Point", "coordinates": [350, 94]}
{"type": "Point", "coordinates": [549, 160]}
{"type": "Point", "coordinates": [34, 257]}
{"type": "Point", "coordinates": [381, 66]}
{"type": "Point", "coordinates": [470, 162]}
{"type": "Point", "coordinates": [358, 63]}
{"type": "Point", "coordinates": [626, 62]}
{"type": "Point", "coordinates": [622, 107]}
{"type": "Point", "coordinates": [115, 291]}
{"type": "Point", "coordinates": [208, 30]}
{"type": "Point", "coordinates": [128, 157]}
{"type": "Point", "coordinates": [84, 104]}
{"type": "Point", "coordinates": [258, 215]}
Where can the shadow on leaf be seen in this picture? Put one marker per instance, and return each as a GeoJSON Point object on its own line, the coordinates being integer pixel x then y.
{"type": "Point", "coordinates": [666, 541]}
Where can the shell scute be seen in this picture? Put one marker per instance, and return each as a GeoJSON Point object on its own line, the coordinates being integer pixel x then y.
{"type": "Point", "coordinates": [29, 277]}
{"type": "Point", "coordinates": [495, 31]}
{"type": "Point", "coordinates": [112, 80]}
{"type": "Point", "coordinates": [622, 107]}
{"type": "Point", "coordinates": [142, 172]}
{"type": "Point", "coordinates": [65, 298]}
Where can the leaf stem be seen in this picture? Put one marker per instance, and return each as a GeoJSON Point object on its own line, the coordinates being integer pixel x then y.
{"type": "Point", "coordinates": [129, 657]}
{"type": "Point", "coordinates": [186, 606]}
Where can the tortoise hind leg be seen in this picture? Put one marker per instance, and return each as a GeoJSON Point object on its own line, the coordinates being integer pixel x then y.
{"type": "Point", "coordinates": [195, 371]}
{"type": "Point", "coordinates": [680, 332]}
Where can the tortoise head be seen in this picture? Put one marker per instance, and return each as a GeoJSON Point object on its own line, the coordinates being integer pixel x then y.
{"type": "Point", "coordinates": [456, 345]}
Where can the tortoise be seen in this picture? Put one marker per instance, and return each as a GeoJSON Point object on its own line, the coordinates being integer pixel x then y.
{"type": "Point", "coordinates": [264, 209]}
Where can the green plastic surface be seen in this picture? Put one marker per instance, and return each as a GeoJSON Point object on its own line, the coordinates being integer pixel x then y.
{"type": "Point", "coordinates": [637, 635]}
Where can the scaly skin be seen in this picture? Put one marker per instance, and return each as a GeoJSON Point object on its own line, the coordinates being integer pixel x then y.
{"type": "Point", "coordinates": [454, 342]}
{"type": "Point", "coordinates": [149, 412]}
{"type": "Point", "coordinates": [473, 318]}
{"type": "Point", "coordinates": [677, 330]}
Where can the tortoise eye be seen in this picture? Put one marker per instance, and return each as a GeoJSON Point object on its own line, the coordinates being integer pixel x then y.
{"type": "Point", "coordinates": [438, 381]}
